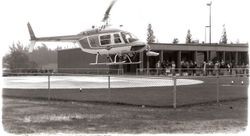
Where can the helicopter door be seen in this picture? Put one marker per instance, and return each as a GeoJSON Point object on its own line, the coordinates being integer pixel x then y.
{"type": "Point", "coordinates": [105, 39]}
{"type": "Point", "coordinates": [117, 39]}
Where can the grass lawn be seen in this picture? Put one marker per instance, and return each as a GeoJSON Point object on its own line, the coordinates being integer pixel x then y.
{"type": "Point", "coordinates": [24, 116]}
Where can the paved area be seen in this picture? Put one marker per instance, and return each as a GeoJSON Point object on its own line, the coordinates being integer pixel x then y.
{"type": "Point", "coordinates": [41, 82]}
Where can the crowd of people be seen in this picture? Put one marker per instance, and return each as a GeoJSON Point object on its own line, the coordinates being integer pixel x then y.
{"type": "Point", "coordinates": [205, 68]}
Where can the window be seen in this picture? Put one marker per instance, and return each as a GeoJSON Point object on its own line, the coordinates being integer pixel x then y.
{"type": "Point", "coordinates": [84, 43]}
{"type": "Point", "coordinates": [105, 39]}
{"type": "Point", "coordinates": [117, 38]}
{"type": "Point", "coordinates": [93, 40]}
{"type": "Point", "coordinates": [128, 37]}
{"type": "Point", "coordinates": [124, 38]}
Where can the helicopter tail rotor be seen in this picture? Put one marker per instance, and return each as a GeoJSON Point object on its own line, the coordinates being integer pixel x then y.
{"type": "Point", "coordinates": [32, 38]}
{"type": "Point", "coordinates": [32, 34]}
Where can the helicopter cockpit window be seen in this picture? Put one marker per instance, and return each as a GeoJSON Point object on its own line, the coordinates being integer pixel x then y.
{"type": "Point", "coordinates": [105, 39]}
{"type": "Point", "coordinates": [128, 37]}
{"type": "Point", "coordinates": [94, 41]}
{"type": "Point", "coordinates": [117, 38]}
{"type": "Point", "coordinates": [124, 37]}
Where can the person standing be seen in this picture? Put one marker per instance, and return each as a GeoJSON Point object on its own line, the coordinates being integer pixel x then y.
{"type": "Point", "coordinates": [173, 67]}
{"type": "Point", "coordinates": [204, 68]}
{"type": "Point", "coordinates": [158, 66]}
{"type": "Point", "coordinates": [195, 68]}
{"type": "Point", "coordinates": [216, 68]}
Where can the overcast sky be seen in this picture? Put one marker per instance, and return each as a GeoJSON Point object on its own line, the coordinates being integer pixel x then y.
{"type": "Point", "coordinates": [169, 18]}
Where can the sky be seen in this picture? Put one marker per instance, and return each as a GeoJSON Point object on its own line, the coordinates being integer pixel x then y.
{"type": "Point", "coordinates": [169, 18]}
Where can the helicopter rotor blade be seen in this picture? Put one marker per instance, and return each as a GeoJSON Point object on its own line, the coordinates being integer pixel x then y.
{"type": "Point", "coordinates": [106, 15]}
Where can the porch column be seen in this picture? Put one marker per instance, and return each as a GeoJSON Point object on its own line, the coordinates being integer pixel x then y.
{"type": "Point", "coordinates": [236, 58]}
{"type": "Point", "coordinates": [195, 56]}
{"type": "Point", "coordinates": [161, 56]}
{"type": "Point", "coordinates": [141, 59]}
{"type": "Point", "coordinates": [147, 65]}
{"type": "Point", "coordinates": [230, 56]}
{"type": "Point", "coordinates": [224, 56]}
{"type": "Point", "coordinates": [208, 56]}
{"type": "Point", "coordinates": [179, 59]}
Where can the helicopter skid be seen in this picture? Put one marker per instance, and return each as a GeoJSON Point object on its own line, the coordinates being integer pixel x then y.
{"type": "Point", "coordinates": [116, 63]}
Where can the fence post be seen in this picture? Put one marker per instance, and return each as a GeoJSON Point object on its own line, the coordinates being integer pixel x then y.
{"type": "Point", "coordinates": [108, 81]}
{"type": "Point", "coordinates": [49, 86]}
{"type": "Point", "coordinates": [217, 89]}
{"type": "Point", "coordinates": [109, 91]}
{"type": "Point", "coordinates": [174, 92]}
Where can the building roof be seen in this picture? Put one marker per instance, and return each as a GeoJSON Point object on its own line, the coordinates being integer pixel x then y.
{"type": "Point", "coordinates": [199, 47]}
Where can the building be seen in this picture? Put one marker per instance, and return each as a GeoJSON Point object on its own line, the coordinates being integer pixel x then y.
{"type": "Point", "coordinates": [236, 54]}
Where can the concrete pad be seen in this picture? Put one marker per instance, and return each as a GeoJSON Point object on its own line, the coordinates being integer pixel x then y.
{"type": "Point", "coordinates": [86, 82]}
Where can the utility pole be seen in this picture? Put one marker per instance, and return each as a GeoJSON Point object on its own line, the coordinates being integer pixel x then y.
{"type": "Point", "coordinates": [210, 18]}
{"type": "Point", "coordinates": [205, 41]}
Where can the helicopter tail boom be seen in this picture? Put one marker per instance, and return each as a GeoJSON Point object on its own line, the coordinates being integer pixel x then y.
{"type": "Point", "coordinates": [65, 38]}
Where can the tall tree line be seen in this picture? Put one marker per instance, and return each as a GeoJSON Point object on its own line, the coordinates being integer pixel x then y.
{"type": "Point", "coordinates": [42, 55]}
{"type": "Point", "coordinates": [20, 57]}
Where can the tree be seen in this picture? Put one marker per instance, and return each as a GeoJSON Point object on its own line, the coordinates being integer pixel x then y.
{"type": "Point", "coordinates": [189, 37]}
{"type": "Point", "coordinates": [224, 36]}
{"type": "Point", "coordinates": [175, 41]}
{"type": "Point", "coordinates": [18, 57]}
{"type": "Point", "coordinates": [150, 35]}
{"type": "Point", "coordinates": [44, 56]}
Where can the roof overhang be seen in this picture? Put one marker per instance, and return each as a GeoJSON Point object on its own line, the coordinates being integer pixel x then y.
{"type": "Point", "coordinates": [200, 47]}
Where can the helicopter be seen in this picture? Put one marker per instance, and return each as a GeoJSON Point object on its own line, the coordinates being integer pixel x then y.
{"type": "Point", "coordinates": [117, 45]}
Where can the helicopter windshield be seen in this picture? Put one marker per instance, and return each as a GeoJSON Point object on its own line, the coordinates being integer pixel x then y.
{"type": "Point", "coordinates": [128, 37]}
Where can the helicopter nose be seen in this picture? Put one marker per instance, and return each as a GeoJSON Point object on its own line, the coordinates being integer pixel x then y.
{"type": "Point", "coordinates": [151, 53]}
{"type": "Point", "coordinates": [138, 47]}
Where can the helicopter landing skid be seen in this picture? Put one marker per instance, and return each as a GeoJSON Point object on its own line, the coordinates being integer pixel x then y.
{"type": "Point", "coordinates": [116, 63]}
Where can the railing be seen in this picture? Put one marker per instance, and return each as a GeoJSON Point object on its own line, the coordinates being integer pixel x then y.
{"type": "Point", "coordinates": [37, 71]}
{"type": "Point", "coordinates": [98, 71]}
{"type": "Point", "coordinates": [192, 71]}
